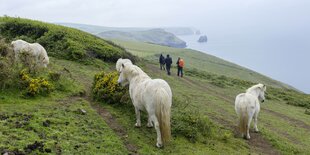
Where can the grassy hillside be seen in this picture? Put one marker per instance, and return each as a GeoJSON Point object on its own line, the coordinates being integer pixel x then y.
{"type": "Point", "coordinates": [60, 41]}
{"type": "Point", "coordinates": [210, 87]}
{"type": "Point", "coordinates": [155, 36]}
{"type": "Point", "coordinates": [68, 121]}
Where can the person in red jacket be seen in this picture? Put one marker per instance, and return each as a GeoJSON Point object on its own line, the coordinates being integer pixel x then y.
{"type": "Point", "coordinates": [180, 64]}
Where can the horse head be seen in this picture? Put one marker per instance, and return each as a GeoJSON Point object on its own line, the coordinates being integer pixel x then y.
{"type": "Point", "coordinates": [122, 79]}
{"type": "Point", "coordinates": [261, 92]}
{"type": "Point", "coordinates": [45, 61]}
{"type": "Point", "coordinates": [121, 61]}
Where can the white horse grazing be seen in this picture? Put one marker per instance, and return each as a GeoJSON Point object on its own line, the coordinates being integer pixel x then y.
{"type": "Point", "coordinates": [35, 50]}
{"type": "Point", "coordinates": [247, 107]}
{"type": "Point", "coordinates": [151, 95]}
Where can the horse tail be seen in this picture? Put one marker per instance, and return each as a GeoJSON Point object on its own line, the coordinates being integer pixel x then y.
{"type": "Point", "coordinates": [163, 111]}
{"type": "Point", "coordinates": [244, 118]}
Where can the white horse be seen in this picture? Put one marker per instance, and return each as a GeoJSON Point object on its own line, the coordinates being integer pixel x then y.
{"type": "Point", "coordinates": [151, 95]}
{"type": "Point", "coordinates": [247, 107]}
{"type": "Point", "coordinates": [121, 61]}
{"type": "Point", "coordinates": [35, 50]}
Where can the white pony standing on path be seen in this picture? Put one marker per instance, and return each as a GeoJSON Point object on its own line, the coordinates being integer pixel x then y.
{"type": "Point", "coordinates": [35, 50]}
{"type": "Point", "coordinates": [151, 95]}
{"type": "Point", "coordinates": [247, 107]}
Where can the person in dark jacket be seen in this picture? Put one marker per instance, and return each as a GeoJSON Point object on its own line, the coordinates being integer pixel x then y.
{"type": "Point", "coordinates": [162, 62]}
{"type": "Point", "coordinates": [168, 62]}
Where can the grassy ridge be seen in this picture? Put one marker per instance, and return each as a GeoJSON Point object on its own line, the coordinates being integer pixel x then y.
{"type": "Point", "coordinates": [61, 42]}
{"type": "Point", "coordinates": [155, 36]}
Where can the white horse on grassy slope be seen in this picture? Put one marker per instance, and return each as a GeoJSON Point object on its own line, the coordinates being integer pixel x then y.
{"type": "Point", "coordinates": [151, 95]}
{"type": "Point", "coordinates": [247, 107]}
{"type": "Point", "coordinates": [33, 49]}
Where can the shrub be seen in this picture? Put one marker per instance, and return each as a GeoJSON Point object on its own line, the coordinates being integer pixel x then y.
{"type": "Point", "coordinates": [35, 86]}
{"type": "Point", "coordinates": [192, 126]}
{"type": "Point", "coordinates": [7, 70]}
{"type": "Point", "coordinates": [106, 88]}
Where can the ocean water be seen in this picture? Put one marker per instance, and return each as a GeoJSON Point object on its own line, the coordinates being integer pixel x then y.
{"type": "Point", "coordinates": [284, 59]}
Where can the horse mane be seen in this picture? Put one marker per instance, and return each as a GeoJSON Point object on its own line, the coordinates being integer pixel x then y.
{"type": "Point", "coordinates": [135, 71]}
{"type": "Point", "coordinates": [260, 86]}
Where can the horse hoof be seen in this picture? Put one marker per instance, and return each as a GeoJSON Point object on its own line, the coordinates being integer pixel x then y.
{"type": "Point", "coordinates": [159, 145]}
{"type": "Point", "coordinates": [149, 126]}
{"type": "Point", "coordinates": [257, 131]}
{"type": "Point", "coordinates": [138, 125]}
{"type": "Point", "coordinates": [246, 137]}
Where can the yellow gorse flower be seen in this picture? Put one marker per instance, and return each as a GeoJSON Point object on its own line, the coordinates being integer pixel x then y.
{"type": "Point", "coordinates": [35, 86]}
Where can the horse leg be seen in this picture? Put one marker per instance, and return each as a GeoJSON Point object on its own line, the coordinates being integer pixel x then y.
{"type": "Point", "coordinates": [156, 124]}
{"type": "Point", "coordinates": [248, 126]}
{"type": "Point", "coordinates": [138, 123]}
{"type": "Point", "coordinates": [255, 122]}
{"type": "Point", "coordinates": [149, 123]}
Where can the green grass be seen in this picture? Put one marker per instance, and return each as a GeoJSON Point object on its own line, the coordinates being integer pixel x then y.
{"type": "Point", "coordinates": [145, 138]}
{"type": "Point", "coordinates": [69, 132]}
{"type": "Point", "coordinates": [217, 103]}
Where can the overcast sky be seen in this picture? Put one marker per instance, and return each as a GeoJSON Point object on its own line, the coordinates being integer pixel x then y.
{"type": "Point", "coordinates": [267, 20]}
{"type": "Point", "coordinates": [150, 13]}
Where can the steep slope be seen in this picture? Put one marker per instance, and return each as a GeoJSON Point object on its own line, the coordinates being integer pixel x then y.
{"type": "Point", "coordinates": [155, 36]}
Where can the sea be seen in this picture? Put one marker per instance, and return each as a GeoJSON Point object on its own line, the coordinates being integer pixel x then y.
{"type": "Point", "coordinates": [283, 59]}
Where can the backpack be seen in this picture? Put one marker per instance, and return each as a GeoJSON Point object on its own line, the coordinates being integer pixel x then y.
{"type": "Point", "coordinates": [181, 63]}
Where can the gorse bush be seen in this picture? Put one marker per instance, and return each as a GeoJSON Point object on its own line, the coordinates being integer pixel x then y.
{"type": "Point", "coordinates": [62, 42]}
{"type": "Point", "coordinates": [35, 86]}
{"type": "Point", "coordinates": [106, 88]}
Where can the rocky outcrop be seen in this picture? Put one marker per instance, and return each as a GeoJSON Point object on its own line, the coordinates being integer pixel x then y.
{"type": "Point", "coordinates": [203, 39]}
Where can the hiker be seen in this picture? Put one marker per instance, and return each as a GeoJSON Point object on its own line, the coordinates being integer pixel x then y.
{"type": "Point", "coordinates": [162, 62]}
{"type": "Point", "coordinates": [168, 62]}
{"type": "Point", "coordinates": [180, 64]}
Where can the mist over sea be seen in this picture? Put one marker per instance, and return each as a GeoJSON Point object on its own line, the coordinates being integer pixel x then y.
{"type": "Point", "coordinates": [282, 58]}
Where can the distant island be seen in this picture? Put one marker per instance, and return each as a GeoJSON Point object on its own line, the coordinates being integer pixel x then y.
{"type": "Point", "coordinates": [154, 36]}
{"type": "Point", "coordinates": [203, 39]}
